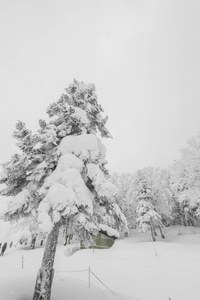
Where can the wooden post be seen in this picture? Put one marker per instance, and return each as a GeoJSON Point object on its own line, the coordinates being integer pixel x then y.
{"type": "Point", "coordinates": [152, 230]}
{"type": "Point", "coordinates": [22, 261]}
{"type": "Point", "coordinates": [89, 277]}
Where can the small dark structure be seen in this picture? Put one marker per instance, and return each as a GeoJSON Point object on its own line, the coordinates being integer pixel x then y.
{"type": "Point", "coordinates": [103, 240]}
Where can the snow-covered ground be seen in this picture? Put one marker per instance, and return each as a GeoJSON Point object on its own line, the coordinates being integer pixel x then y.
{"type": "Point", "coordinates": [131, 269]}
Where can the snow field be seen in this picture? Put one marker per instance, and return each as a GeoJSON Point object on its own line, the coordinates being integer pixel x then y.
{"type": "Point", "coordinates": [130, 268]}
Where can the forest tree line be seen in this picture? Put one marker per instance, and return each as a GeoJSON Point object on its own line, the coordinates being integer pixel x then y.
{"type": "Point", "coordinates": [165, 197]}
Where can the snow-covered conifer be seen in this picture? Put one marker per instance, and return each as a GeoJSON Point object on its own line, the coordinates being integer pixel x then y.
{"type": "Point", "coordinates": [148, 219]}
{"type": "Point", "coordinates": [62, 175]}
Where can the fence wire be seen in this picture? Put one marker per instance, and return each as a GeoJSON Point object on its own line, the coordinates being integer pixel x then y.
{"type": "Point", "coordinates": [88, 271]}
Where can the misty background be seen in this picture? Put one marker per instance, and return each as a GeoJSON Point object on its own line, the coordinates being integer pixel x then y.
{"type": "Point", "coordinates": [143, 57]}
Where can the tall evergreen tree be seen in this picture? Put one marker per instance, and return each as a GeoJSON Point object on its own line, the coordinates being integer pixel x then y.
{"type": "Point", "coordinates": [147, 217]}
{"type": "Point", "coordinates": [60, 175]}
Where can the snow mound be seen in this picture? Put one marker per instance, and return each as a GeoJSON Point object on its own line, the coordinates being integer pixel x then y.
{"type": "Point", "coordinates": [71, 249]}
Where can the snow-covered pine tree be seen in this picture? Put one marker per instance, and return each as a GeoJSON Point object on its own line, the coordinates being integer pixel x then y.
{"type": "Point", "coordinates": [158, 181]}
{"type": "Point", "coordinates": [147, 218]}
{"type": "Point", "coordinates": [63, 178]}
{"type": "Point", "coordinates": [22, 175]}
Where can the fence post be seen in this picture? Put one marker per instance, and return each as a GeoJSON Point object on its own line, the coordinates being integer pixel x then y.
{"type": "Point", "coordinates": [22, 261]}
{"type": "Point", "coordinates": [154, 247]}
{"type": "Point", "coordinates": [89, 277]}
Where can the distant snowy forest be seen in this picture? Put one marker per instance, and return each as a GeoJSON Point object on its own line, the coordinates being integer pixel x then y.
{"type": "Point", "coordinates": [166, 196]}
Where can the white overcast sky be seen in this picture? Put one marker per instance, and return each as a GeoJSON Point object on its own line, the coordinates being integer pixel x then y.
{"type": "Point", "coordinates": [142, 55]}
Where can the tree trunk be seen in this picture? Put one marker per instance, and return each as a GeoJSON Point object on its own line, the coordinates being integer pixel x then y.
{"type": "Point", "coordinates": [153, 234]}
{"type": "Point", "coordinates": [66, 236]}
{"type": "Point", "coordinates": [161, 232]}
{"type": "Point", "coordinates": [45, 274]}
{"type": "Point", "coordinates": [152, 231]}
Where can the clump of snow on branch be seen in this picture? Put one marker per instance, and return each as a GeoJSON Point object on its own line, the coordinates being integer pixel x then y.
{"type": "Point", "coordinates": [69, 161]}
{"type": "Point", "coordinates": [80, 115]}
{"type": "Point", "coordinates": [101, 184]}
{"type": "Point", "coordinates": [66, 194]}
{"type": "Point", "coordinates": [84, 146]}
{"type": "Point", "coordinates": [65, 191]}
{"type": "Point", "coordinates": [119, 214]}
{"type": "Point", "coordinates": [18, 202]}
